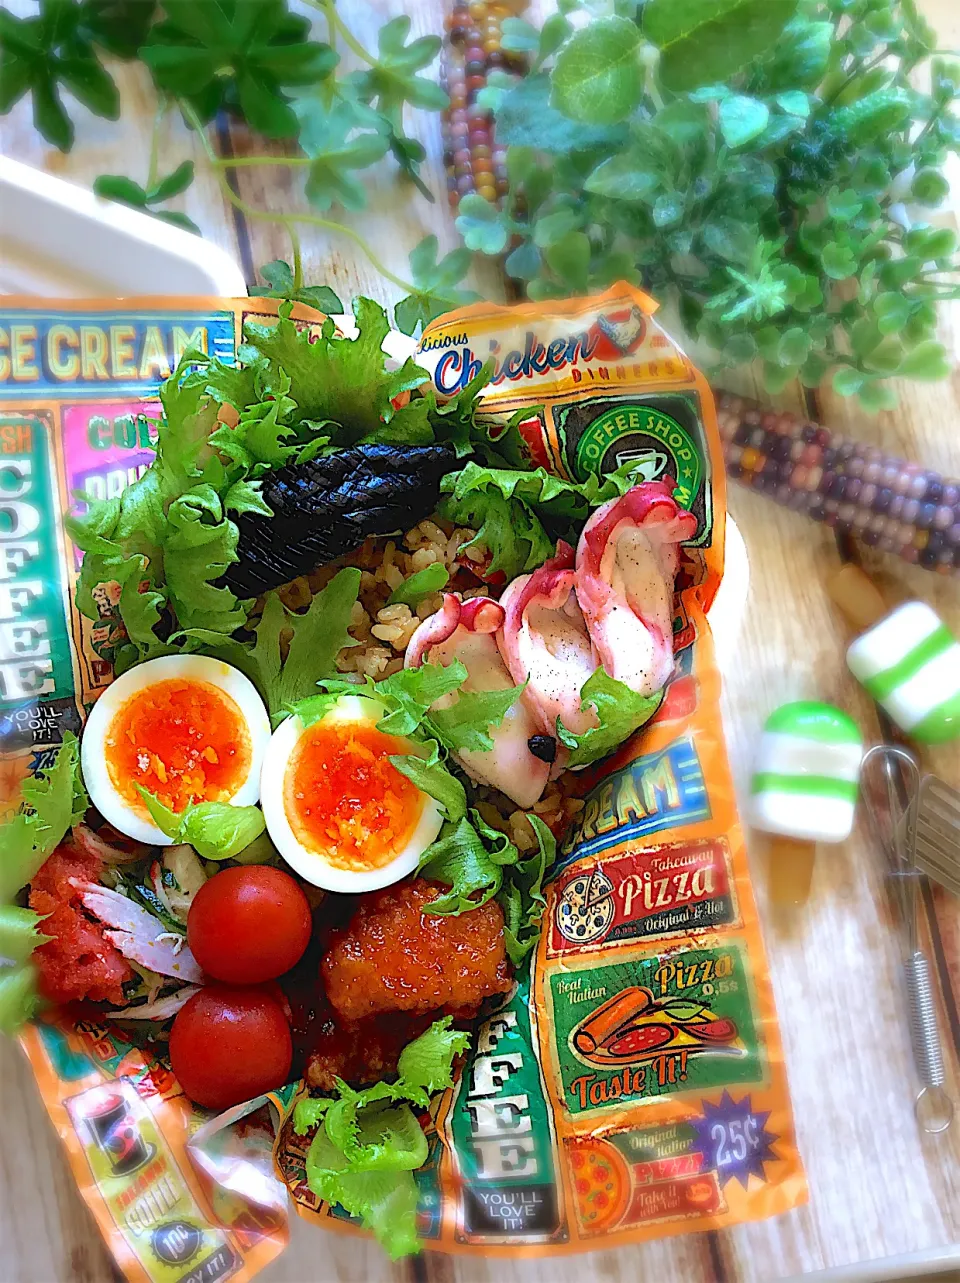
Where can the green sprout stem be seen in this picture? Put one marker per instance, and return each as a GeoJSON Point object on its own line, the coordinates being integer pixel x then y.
{"type": "Point", "coordinates": [289, 221]}
{"type": "Point", "coordinates": [297, 258]}
{"type": "Point", "coordinates": [336, 26]}
{"type": "Point", "coordinates": [155, 143]}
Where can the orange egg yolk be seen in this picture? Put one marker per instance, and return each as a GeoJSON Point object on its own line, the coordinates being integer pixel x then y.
{"type": "Point", "coordinates": [184, 741]}
{"type": "Point", "coordinates": [346, 800]}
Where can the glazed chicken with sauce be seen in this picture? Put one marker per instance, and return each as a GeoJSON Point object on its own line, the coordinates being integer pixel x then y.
{"type": "Point", "coordinates": [395, 957]}
{"type": "Point", "coordinates": [389, 971]}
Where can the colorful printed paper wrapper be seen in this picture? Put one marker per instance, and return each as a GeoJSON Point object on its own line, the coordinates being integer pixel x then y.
{"type": "Point", "coordinates": [632, 1085]}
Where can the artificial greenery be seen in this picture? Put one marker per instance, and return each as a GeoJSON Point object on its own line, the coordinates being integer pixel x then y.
{"type": "Point", "coordinates": [260, 62]}
{"type": "Point", "coordinates": [768, 164]}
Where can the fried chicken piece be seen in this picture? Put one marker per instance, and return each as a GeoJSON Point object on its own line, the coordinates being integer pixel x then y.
{"type": "Point", "coordinates": [394, 957]}
{"type": "Point", "coordinates": [361, 1052]}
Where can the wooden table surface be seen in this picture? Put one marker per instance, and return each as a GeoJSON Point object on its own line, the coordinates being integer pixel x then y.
{"type": "Point", "coordinates": [878, 1187]}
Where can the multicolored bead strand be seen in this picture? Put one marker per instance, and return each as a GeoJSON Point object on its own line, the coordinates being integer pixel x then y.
{"type": "Point", "coordinates": [881, 500]}
{"type": "Point", "coordinates": [473, 161]}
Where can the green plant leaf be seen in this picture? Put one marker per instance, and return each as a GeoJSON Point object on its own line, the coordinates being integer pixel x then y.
{"type": "Point", "coordinates": [124, 190]}
{"type": "Point", "coordinates": [705, 41]}
{"type": "Point", "coordinates": [118, 26]}
{"type": "Point", "coordinates": [598, 77]}
{"type": "Point", "coordinates": [929, 187]}
{"type": "Point", "coordinates": [215, 830]}
{"type": "Point", "coordinates": [927, 361]}
{"type": "Point", "coordinates": [481, 226]}
{"type": "Point", "coordinates": [794, 102]}
{"type": "Point", "coordinates": [526, 117]}
{"type": "Point", "coordinates": [279, 278]}
{"type": "Point", "coordinates": [437, 285]}
{"type": "Point", "coordinates": [242, 54]}
{"type": "Point", "coordinates": [742, 118]}
{"type": "Point", "coordinates": [368, 1143]}
{"type": "Point", "coordinates": [519, 36]}
{"type": "Point", "coordinates": [430, 774]}
{"type": "Point", "coordinates": [847, 381]}
{"type": "Point", "coordinates": [40, 55]}
{"type": "Point", "coordinates": [422, 583]}
{"type": "Point", "coordinates": [392, 81]}
{"type": "Point", "coordinates": [839, 261]}
{"type": "Point", "coordinates": [628, 176]}
{"type": "Point", "coordinates": [569, 258]}
{"type": "Point", "coordinates": [176, 182]}
{"type": "Point", "coordinates": [843, 205]}
{"type": "Point", "coordinates": [620, 711]}
{"type": "Point", "coordinates": [330, 139]}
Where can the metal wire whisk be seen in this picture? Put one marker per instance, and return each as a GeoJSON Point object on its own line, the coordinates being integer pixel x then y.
{"type": "Point", "coordinates": [892, 807]}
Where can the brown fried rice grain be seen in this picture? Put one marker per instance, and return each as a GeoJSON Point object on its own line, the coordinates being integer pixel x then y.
{"type": "Point", "coordinates": [383, 632]}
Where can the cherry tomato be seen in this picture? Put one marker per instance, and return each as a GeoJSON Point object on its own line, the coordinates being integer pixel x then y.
{"type": "Point", "coordinates": [227, 1045]}
{"type": "Point", "coordinates": [248, 924]}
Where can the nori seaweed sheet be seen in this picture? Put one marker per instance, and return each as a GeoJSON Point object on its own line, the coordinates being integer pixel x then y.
{"type": "Point", "coordinates": [327, 507]}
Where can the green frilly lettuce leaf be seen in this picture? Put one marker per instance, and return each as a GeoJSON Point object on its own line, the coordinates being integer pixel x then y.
{"type": "Point", "coordinates": [53, 802]}
{"type": "Point", "coordinates": [215, 830]}
{"type": "Point", "coordinates": [369, 1143]}
{"type": "Point", "coordinates": [620, 711]}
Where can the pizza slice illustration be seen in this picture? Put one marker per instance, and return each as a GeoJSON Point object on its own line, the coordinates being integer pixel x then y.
{"type": "Point", "coordinates": [635, 1026]}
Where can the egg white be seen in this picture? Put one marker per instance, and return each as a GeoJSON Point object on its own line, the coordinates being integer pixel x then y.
{"type": "Point", "coordinates": [93, 748]}
{"type": "Point", "coordinates": [313, 865]}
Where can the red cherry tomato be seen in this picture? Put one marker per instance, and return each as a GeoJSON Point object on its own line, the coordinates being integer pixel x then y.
{"type": "Point", "coordinates": [248, 924]}
{"type": "Point", "coordinates": [227, 1045]}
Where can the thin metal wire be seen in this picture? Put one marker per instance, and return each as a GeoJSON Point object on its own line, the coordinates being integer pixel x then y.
{"type": "Point", "coordinates": [893, 815]}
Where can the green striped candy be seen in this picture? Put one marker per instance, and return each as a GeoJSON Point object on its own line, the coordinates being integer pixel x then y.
{"type": "Point", "coordinates": [910, 663]}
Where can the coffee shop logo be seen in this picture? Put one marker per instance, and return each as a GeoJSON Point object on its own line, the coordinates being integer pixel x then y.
{"type": "Point", "coordinates": [653, 442]}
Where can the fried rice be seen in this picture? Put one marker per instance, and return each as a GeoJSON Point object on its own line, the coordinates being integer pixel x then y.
{"type": "Point", "coordinates": [382, 633]}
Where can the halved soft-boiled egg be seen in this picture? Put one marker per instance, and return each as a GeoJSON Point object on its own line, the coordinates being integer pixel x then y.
{"type": "Point", "coordinates": [337, 808]}
{"type": "Point", "coordinates": [186, 728]}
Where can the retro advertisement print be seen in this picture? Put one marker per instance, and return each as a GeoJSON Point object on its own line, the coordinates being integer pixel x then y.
{"type": "Point", "coordinates": [631, 1086]}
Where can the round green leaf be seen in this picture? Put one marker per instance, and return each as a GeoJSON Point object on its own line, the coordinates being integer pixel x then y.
{"type": "Point", "coordinates": [552, 35]}
{"type": "Point", "coordinates": [927, 361]}
{"type": "Point", "coordinates": [794, 346]}
{"type": "Point", "coordinates": [838, 261]}
{"type": "Point", "coordinates": [843, 205]}
{"type": "Point", "coordinates": [742, 118]}
{"type": "Point", "coordinates": [847, 381]}
{"type": "Point", "coordinates": [668, 209]}
{"type": "Point", "coordinates": [523, 263]}
{"type": "Point", "coordinates": [480, 226]}
{"type": "Point", "coordinates": [940, 242]}
{"type": "Point", "coordinates": [794, 102]}
{"type": "Point", "coordinates": [598, 77]}
{"type": "Point", "coordinates": [569, 259]}
{"type": "Point", "coordinates": [893, 311]}
{"type": "Point", "coordinates": [929, 187]}
{"type": "Point", "coordinates": [518, 36]}
{"type": "Point", "coordinates": [552, 227]}
{"type": "Point", "coordinates": [875, 395]}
